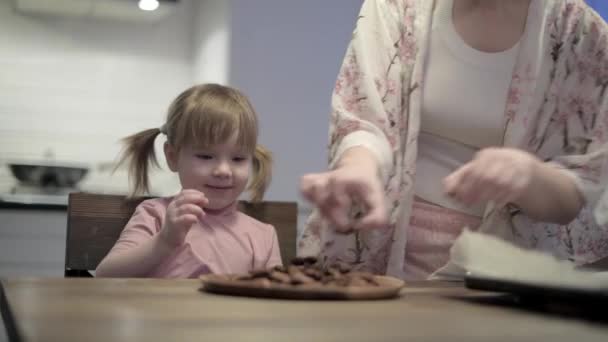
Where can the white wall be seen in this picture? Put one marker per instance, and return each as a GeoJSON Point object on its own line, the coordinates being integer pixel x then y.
{"type": "Point", "coordinates": [211, 43]}
{"type": "Point", "coordinates": [76, 86]}
{"type": "Point", "coordinates": [286, 55]}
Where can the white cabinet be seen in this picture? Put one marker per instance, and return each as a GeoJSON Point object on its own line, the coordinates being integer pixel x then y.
{"type": "Point", "coordinates": [32, 242]}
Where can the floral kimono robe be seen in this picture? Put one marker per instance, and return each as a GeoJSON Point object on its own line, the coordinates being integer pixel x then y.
{"type": "Point", "coordinates": [557, 109]}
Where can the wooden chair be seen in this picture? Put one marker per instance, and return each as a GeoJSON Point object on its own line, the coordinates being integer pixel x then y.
{"type": "Point", "coordinates": [95, 222]}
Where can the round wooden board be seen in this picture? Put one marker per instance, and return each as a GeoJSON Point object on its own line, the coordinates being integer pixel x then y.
{"type": "Point", "coordinates": [389, 287]}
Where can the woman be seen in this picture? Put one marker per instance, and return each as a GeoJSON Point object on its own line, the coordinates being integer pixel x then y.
{"type": "Point", "coordinates": [481, 113]}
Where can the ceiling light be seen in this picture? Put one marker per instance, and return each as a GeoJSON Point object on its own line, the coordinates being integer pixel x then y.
{"type": "Point", "coordinates": [148, 5]}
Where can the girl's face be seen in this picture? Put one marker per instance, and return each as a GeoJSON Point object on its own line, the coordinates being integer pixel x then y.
{"type": "Point", "coordinates": [221, 172]}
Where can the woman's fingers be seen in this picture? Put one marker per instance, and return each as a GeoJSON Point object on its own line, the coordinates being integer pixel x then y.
{"type": "Point", "coordinates": [335, 193]}
{"type": "Point", "coordinates": [326, 194]}
{"type": "Point", "coordinates": [374, 210]}
{"type": "Point", "coordinates": [499, 175]}
{"type": "Point", "coordinates": [314, 187]}
{"type": "Point", "coordinates": [337, 206]}
{"type": "Point", "coordinates": [458, 183]}
{"type": "Point", "coordinates": [452, 182]}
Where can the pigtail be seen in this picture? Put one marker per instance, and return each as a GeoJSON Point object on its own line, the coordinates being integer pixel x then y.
{"type": "Point", "coordinates": [262, 173]}
{"type": "Point", "coordinates": [139, 154]}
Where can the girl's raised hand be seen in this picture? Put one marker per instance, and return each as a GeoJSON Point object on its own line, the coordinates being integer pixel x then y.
{"type": "Point", "coordinates": [185, 210]}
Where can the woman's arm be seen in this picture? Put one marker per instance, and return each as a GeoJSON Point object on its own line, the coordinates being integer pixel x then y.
{"type": "Point", "coordinates": [367, 121]}
{"type": "Point", "coordinates": [551, 197]}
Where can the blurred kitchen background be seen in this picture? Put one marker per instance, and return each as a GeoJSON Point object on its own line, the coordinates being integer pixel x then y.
{"type": "Point", "coordinates": [78, 75]}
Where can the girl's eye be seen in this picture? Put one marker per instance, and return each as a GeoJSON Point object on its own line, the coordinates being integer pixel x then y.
{"type": "Point", "coordinates": [239, 159]}
{"type": "Point", "coordinates": [204, 156]}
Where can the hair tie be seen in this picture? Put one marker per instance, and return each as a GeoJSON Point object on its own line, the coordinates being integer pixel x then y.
{"type": "Point", "coordinates": [163, 129]}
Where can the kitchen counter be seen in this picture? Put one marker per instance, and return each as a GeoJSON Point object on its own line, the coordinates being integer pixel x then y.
{"type": "Point", "coordinates": [34, 199]}
{"type": "Point", "coordinates": [37, 206]}
{"type": "Point", "coordinates": [32, 239]}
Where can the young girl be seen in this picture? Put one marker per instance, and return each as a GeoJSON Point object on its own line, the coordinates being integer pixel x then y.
{"type": "Point", "coordinates": [212, 145]}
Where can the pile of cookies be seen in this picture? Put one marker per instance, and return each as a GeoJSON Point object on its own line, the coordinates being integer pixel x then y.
{"type": "Point", "coordinates": [306, 272]}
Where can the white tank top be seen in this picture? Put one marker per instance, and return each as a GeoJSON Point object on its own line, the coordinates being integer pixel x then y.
{"type": "Point", "coordinates": [464, 95]}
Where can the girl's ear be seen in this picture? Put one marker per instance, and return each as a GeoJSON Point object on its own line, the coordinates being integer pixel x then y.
{"type": "Point", "coordinates": [171, 155]}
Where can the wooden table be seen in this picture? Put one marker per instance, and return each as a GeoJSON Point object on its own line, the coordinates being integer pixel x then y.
{"type": "Point", "coordinates": [175, 310]}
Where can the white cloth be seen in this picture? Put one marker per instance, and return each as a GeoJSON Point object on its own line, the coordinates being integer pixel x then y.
{"type": "Point", "coordinates": [458, 118]}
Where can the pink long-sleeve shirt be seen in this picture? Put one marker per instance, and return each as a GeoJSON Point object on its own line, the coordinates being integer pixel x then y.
{"type": "Point", "coordinates": [227, 242]}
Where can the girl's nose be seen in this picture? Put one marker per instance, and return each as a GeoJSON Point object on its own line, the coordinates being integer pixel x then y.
{"type": "Point", "coordinates": [222, 169]}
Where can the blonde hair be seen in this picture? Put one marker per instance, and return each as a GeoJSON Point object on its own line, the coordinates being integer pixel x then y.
{"type": "Point", "coordinates": [203, 115]}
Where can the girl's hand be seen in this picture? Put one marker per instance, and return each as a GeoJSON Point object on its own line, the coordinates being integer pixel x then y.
{"type": "Point", "coordinates": [353, 183]}
{"type": "Point", "coordinates": [185, 210]}
{"type": "Point", "coordinates": [502, 175]}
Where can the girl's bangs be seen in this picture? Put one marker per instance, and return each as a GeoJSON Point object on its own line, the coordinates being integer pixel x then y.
{"type": "Point", "coordinates": [213, 126]}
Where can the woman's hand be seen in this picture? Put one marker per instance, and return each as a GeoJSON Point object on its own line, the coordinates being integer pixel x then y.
{"type": "Point", "coordinates": [502, 175]}
{"type": "Point", "coordinates": [353, 183]}
{"type": "Point", "coordinates": [184, 211]}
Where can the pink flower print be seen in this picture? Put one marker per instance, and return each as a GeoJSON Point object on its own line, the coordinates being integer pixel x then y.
{"type": "Point", "coordinates": [350, 104]}
{"type": "Point", "coordinates": [595, 31]}
{"type": "Point", "coordinates": [575, 104]}
{"type": "Point", "coordinates": [392, 140]}
{"type": "Point", "coordinates": [582, 66]}
{"type": "Point", "coordinates": [562, 118]}
{"type": "Point", "coordinates": [378, 84]}
{"type": "Point", "coordinates": [590, 171]}
{"type": "Point", "coordinates": [407, 49]}
{"type": "Point", "coordinates": [600, 136]}
{"type": "Point", "coordinates": [338, 87]}
{"type": "Point", "coordinates": [514, 96]}
{"type": "Point", "coordinates": [596, 71]}
{"type": "Point", "coordinates": [352, 59]}
{"type": "Point", "coordinates": [568, 9]}
{"type": "Point", "coordinates": [346, 127]}
{"type": "Point", "coordinates": [516, 78]}
{"type": "Point", "coordinates": [528, 75]}
{"type": "Point", "coordinates": [350, 75]}
{"type": "Point", "coordinates": [391, 86]}
{"type": "Point", "coordinates": [511, 115]}
{"type": "Point", "coordinates": [409, 20]}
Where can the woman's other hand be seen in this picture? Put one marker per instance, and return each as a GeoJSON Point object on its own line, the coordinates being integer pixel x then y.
{"type": "Point", "coordinates": [502, 175]}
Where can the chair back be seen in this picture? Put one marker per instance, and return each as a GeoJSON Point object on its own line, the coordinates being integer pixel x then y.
{"type": "Point", "coordinates": [95, 222]}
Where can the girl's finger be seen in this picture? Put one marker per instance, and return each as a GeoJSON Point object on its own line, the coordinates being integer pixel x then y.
{"type": "Point", "coordinates": [191, 209]}
{"type": "Point", "coordinates": [185, 221]}
{"type": "Point", "coordinates": [194, 197]}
